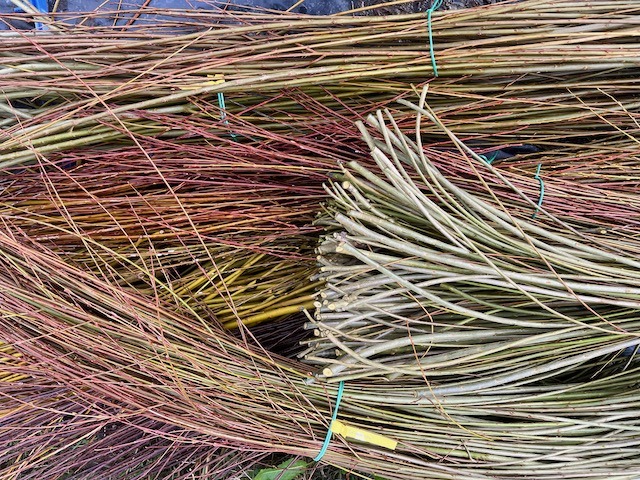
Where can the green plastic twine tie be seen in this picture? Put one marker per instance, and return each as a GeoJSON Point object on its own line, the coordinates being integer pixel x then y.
{"type": "Point", "coordinates": [489, 160]}
{"type": "Point", "coordinates": [537, 177]}
{"type": "Point", "coordinates": [327, 439]}
{"type": "Point", "coordinates": [223, 112]}
{"type": "Point", "coordinates": [435, 4]}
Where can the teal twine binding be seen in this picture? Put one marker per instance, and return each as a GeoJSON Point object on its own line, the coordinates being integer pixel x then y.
{"type": "Point", "coordinates": [223, 112]}
{"type": "Point", "coordinates": [327, 439]}
{"type": "Point", "coordinates": [537, 177]}
{"type": "Point", "coordinates": [435, 4]}
{"type": "Point", "coordinates": [489, 159]}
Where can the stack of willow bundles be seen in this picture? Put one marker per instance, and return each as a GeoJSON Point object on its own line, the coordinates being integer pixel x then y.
{"type": "Point", "coordinates": [533, 385]}
{"type": "Point", "coordinates": [217, 226]}
{"type": "Point", "coordinates": [518, 355]}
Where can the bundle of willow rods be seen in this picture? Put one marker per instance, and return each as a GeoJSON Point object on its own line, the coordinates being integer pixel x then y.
{"type": "Point", "coordinates": [503, 70]}
{"type": "Point", "coordinates": [428, 278]}
{"type": "Point", "coordinates": [226, 226]}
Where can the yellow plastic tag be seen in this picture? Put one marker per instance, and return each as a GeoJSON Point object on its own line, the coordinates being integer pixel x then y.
{"type": "Point", "coordinates": [215, 80]}
{"type": "Point", "coordinates": [362, 435]}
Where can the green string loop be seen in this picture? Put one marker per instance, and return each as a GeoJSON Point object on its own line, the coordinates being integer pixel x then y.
{"type": "Point", "coordinates": [223, 112]}
{"type": "Point", "coordinates": [435, 4]}
{"type": "Point", "coordinates": [537, 177]}
{"type": "Point", "coordinates": [489, 160]}
{"type": "Point", "coordinates": [327, 439]}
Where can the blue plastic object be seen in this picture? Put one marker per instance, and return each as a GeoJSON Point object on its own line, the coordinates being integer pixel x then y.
{"type": "Point", "coordinates": [40, 5]}
{"type": "Point", "coordinates": [43, 7]}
